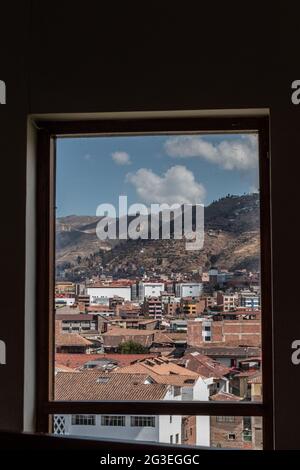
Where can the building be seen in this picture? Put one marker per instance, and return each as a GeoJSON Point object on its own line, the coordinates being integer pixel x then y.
{"type": "Point", "coordinates": [167, 297]}
{"type": "Point", "coordinates": [64, 300]}
{"type": "Point", "coordinates": [255, 383]}
{"type": "Point", "coordinates": [249, 300]}
{"type": "Point", "coordinates": [229, 356]}
{"type": "Point", "coordinates": [192, 387]}
{"type": "Point", "coordinates": [227, 302]}
{"type": "Point", "coordinates": [135, 323]}
{"type": "Point", "coordinates": [114, 301]}
{"type": "Point", "coordinates": [94, 385]}
{"type": "Point", "coordinates": [178, 325]}
{"type": "Point", "coordinates": [210, 301]}
{"type": "Point", "coordinates": [82, 361]}
{"type": "Point", "coordinates": [172, 310]}
{"type": "Point", "coordinates": [153, 307]}
{"type": "Point", "coordinates": [83, 299]}
{"type": "Point", "coordinates": [188, 289]}
{"type": "Point", "coordinates": [70, 342]}
{"type": "Point", "coordinates": [78, 322]}
{"type": "Point", "coordinates": [65, 288]}
{"type": "Point", "coordinates": [190, 306]}
{"type": "Point", "coordinates": [230, 432]}
{"type": "Point", "coordinates": [241, 332]}
{"type": "Point", "coordinates": [115, 336]}
{"type": "Point", "coordinates": [204, 365]}
{"type": "Point", "coordinates": [150, 289]}
{"type": "Point", "coordinates": [101, 293]}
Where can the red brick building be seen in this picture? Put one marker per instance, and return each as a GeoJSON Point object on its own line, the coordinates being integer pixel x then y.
{"type": "Point", "coordinates": [233, 332]}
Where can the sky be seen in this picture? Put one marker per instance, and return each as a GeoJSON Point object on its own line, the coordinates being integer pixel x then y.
{"type": "Point", "coordinates": [153, 169]}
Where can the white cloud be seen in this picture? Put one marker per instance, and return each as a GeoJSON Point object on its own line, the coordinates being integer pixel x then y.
{"type": "Point", "coordinates": [176, 185]}
{"type": "Point", "coordinates": [238, 154]}
{"type": "Point", "coordinates": [121, 158]}
{"type": "Point", "coordinates": [253, 189]}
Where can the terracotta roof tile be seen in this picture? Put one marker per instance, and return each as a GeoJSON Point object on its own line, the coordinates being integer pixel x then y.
{"type": "Point", "coordinates": [92, 385]}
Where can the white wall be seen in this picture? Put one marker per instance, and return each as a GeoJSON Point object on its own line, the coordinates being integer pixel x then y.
{"type": "Point", "coordinates": [126, 432]}
{"type": "Point", "coordinates": [167, 428]}
{"type": "Point", "coordinates": [108, 292]}
{"type": "Point", "coordinates": [65, 300]}
{"type": "Point", "coordinates": [150, 289]}
{"type": "Point", "coordinates": [200, 392]}
{"type": "Point", "coordinates": [188, 289]}
{"type": "Point", "coordinates": [203, 431]}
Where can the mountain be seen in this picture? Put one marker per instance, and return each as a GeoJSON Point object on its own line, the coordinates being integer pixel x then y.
{"type": "Point", "coordinates": [231, 242]}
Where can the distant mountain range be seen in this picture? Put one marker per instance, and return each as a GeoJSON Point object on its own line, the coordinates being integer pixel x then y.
{"type": "Point", "coordinates": [231, 242]}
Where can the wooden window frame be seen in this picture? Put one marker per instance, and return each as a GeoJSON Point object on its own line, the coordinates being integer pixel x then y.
{"type": "Point", "coordinates": [48, 131]}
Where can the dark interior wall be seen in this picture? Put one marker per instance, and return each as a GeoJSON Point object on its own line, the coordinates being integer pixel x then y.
{"type": "Point", "coordinates": [62, 56]}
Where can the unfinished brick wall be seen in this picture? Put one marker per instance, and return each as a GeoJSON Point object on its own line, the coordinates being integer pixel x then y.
{"type": "Point", "coordinates": [231, 332]}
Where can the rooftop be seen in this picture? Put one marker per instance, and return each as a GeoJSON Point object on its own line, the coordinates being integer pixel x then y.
{"type": "Point", "coordinates": [162, 371]}
{"type": "Point", "coordinates": [75, 361]}
{"type": "Point", "coordinates": [203, 365]}
{"type": "Point", "coordinates": [92, 385]}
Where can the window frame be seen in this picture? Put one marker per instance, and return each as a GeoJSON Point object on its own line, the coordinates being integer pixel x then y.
{"type": "Point", "coordinates": [48, 131]}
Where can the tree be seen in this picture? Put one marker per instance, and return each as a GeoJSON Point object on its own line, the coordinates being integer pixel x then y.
{"type": "Point", "coordinates": [131, 347]}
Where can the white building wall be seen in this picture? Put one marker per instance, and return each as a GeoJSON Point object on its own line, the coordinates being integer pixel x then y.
{"type": "Point", "coordinates": [203, 431]}
{"type": "Point", "coordinates": [169, 426]}
{"type": "Point", "coordinates": [150, 289]}
{"type": "Point", "coordinates": [65, 300]}
{"type": "Point", "coordinates": [188, 289]}
{"type": "Point", "coordinates": [200, 392]}
{"type": "Point", "coordinates": [126, 432]}
{"type": "Point", "coordinates": [98, 293]}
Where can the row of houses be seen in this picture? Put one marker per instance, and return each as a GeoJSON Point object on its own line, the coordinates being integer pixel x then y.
{"type": "Point", "coordinates": [195, 377]}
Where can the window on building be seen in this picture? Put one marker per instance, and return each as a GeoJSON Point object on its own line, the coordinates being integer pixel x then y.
{"type": "Point", "coordinates": [83, 420]}
{"type": "Point", "coordinates": [85, 168]}
{"type": "Point", "coordinates": [225, 419]}
{"type": "Point", "coordinates": [113, 421]}
{"type": "Point", "coordinates": [177, 439]}
{"type": "Point", "coordinates": [231, 436]}
{"type": "Point", "coordinates": [171, 439]}
{"type": "Point", "coordinates": [142, 421]}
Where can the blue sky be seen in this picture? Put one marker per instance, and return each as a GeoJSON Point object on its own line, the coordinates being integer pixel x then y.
{"type": "Point", "coordinates": [147, 169]}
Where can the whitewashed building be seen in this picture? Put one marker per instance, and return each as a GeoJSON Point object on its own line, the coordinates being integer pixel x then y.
{"type": "Point", "coordinates": [101, 295]}
{"type": "Point", "coordinates": [150, 289]}
{"type": "Point", "coordinates": [188, 289]}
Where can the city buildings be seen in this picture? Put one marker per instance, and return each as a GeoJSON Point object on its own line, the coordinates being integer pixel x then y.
{"type": "Point", "coordinates": [188, 289]}
{"type": "Point", "coordinates": [176, 339]}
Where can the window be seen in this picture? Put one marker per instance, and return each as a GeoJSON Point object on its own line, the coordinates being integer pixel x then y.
{"type": "Point", "coordinates": [247, 436]}
{"type": "Point", "coordinates": [114, 267]}
{"type": "Point", "coordinates": [142, 421]}
{"type": "Point", "coordinates": [83, 420]}
{"type": "Point", "coordinates": [171, 439]}
{"type": "Point", "coordinates": [177, 439]}
{"type": "Point", "coordinates": [112, 420]}
{"type": "Point", "coordinates": [225, 419]}
{"type": "Point", "coordinates": [231, 436]}
{"type": "Point", "coordinates": [170, 419]}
